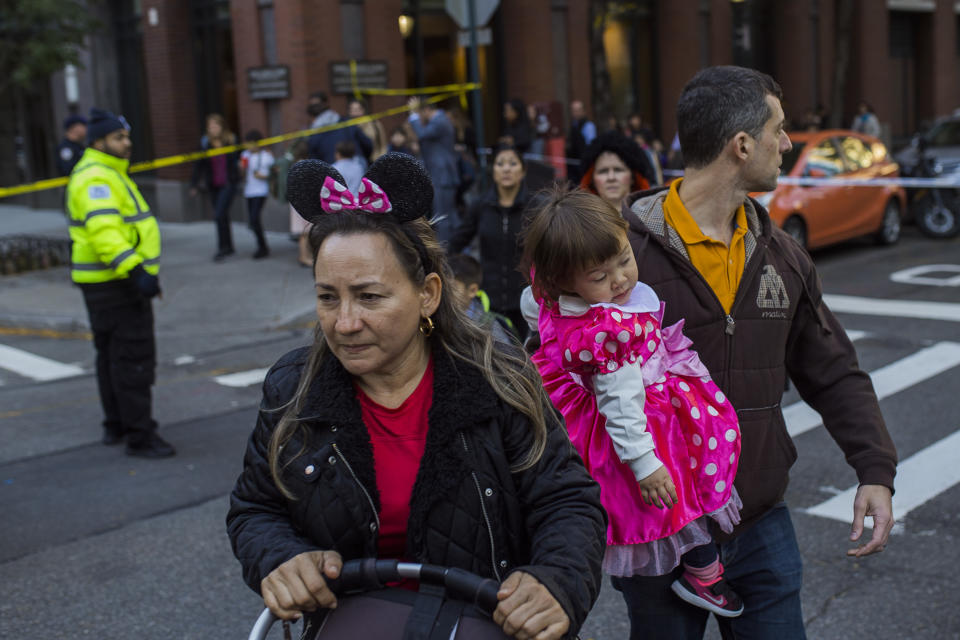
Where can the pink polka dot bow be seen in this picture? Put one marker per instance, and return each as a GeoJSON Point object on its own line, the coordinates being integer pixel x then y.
{"type": "Point", "coordinates": [335, 197]}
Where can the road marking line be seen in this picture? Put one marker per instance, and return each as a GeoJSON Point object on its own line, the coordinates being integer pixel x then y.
{"type": "Point", "coordinates": [894, 308]}
{"type": "Point", "coordinates": [243, 378]}
{"type": "Point", "coordinates": [920, 478]}
{"type": "Point", "coordinates": [915, 275]}
{"type": "Point", "coordinates": [36, 367]}
{"type": "Point", "coordinates": [897, 376]}
{"type": "Point", "coordinates": [855, 335]}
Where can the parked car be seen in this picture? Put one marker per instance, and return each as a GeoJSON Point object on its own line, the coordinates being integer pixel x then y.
{"type": "Point", "coordinates": [819, 215]}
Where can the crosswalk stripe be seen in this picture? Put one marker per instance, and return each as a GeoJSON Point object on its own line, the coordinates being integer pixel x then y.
{"type": "Point", "coordinates": [920, 478]}
{"type": "Point", "coordinates": [893, 378]}
{"type": "Point", "coordinates": [894, 308]}
{"type": "Point", "coordinates": [242, 378]}
{"type": "Point", "coordinates": [35, 367]}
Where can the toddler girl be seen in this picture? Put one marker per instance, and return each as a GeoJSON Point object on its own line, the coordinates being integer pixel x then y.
{"type": "Point", "coordinates": [652, 427]}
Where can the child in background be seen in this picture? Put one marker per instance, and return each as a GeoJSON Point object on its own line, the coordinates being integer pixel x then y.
{"type": "Point", "coordinates": [399, 142]}
{"type": "Point", "coordinates": [348, 164]}
{"type": "Point", "coordinates": [652, 427]}
{"type": "Point", "coordinates": [255, 164]}
{"type": "Point", "coordinates": [467, 274]}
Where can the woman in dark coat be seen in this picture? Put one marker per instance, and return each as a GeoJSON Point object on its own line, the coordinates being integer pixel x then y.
{"type": "Point", "coordinates": [402, 432]}
{"type": "Point", "coordinates": [497, 218]}
{"type": "Point", "coordinates": [517, 130]}
{"type": "Point", "coordinates": [220, 175]}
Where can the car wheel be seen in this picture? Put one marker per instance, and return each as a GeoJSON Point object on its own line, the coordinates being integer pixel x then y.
{"type": "Point", "coordinates": [889, 231]}
{"type": "Point", "coordinates": [796, 229]}
{"type": "Point", "coordinates": [939, 219]}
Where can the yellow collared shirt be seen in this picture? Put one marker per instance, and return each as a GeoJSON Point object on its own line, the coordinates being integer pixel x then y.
{"type": "Point", "coordinates": [719, 264]}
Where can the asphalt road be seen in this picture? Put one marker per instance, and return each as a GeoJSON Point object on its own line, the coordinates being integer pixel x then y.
{"type": "Point", "coordinates": [95, 544]}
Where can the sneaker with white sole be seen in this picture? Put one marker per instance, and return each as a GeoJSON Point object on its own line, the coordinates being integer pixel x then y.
{"type": "Point", "coordinates": [717, 597]}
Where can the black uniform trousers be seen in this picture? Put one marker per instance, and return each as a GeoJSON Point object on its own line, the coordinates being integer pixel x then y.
{"type": "Point", "coordinates": [126, 363]}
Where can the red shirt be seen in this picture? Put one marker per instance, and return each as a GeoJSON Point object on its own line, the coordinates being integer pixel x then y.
{"type": "Point", "coordinates": [399, 437]}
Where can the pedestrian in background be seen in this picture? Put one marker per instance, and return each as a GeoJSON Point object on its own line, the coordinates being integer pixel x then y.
{"type": "Point", "coordinates": [754, 309]}
{"type": "Point", "coordinates": [255, 164]}
{"type": "Point", "coordinates": [496, 218]}
{"type": "Point", "coordinates": [219, 174]}
{"type": "Point", "coordinates": [399, 142]}
{"type": "Point", "coordinates": [474, 301]}
{"type": "Point", "coordinates": [582, 132]}
{"type": "Point", "coordinates": [115, 259]}
{"type": "Point", "coordinates": [72, 145]}
{"type": "Point", "coordinates": [540, 125]}
{"type": "Point", "coordinates": [349, 165]}
{"type": "Point", "coordinates": [615, 166]}
{"type": "Point", "coordinates": [323, 146]}
{"type": "Point", "coordinates": [373, 130]}
{"type": "Point", "coordinates": [437, 139]}
{"type": "Point", "coordinates": [866, 120]}
{"type": "Point", "coordinates": [516, 130]}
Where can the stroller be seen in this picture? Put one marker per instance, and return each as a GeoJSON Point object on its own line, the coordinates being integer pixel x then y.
{"type": "Point", "coordinates": [452, 604]}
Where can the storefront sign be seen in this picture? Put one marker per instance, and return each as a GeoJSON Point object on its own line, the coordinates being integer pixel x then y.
{"type": "Point", "coordinates": [370, 74]}
{"type": "Point", "coordinates": [268, 83]}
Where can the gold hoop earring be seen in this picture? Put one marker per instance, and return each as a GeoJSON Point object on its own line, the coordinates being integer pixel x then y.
{"type": "Point", "coordinates": [426, 326]}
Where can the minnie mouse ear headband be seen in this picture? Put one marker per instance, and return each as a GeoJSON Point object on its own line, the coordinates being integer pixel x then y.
{"type": "Point", "coordinates": [396, 184]}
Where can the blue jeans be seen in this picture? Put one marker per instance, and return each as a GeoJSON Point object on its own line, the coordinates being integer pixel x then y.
{"type": "Point", "coordinates": [762, 565]}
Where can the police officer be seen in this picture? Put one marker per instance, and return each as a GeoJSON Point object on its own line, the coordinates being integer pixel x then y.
{"type": "Point", "coordinates": [71, 147]}
{"type": "Point", "coordinates": [115, 260]}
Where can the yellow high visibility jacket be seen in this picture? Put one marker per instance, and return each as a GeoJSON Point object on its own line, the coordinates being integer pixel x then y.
{"type": "Point", "coordinates": [111, 225]}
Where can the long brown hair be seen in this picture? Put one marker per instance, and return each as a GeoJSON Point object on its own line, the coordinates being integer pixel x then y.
{"type": "Point", "coordinates": [570, 232]}
{"type": "Point", "coordinates": [510, 373]}
{"type": "Point", "coordinates": [226, 137]}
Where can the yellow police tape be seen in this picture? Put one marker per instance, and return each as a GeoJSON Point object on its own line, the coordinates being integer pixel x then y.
{"type": "Point", "coordinates": [442, 93]}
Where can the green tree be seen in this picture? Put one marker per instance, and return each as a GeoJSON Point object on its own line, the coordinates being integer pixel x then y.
{"type": "Point", "coordinates": [37, 38]}
{"type": "Point", "coordinates": [40, 37]}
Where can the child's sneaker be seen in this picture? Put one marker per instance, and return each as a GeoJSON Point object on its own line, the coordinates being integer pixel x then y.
{"type": "Point", "coordinates": [717, 596]}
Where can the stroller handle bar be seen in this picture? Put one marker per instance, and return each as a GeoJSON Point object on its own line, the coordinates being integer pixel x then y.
{"type": "Point", "coordinates": [369, 574]}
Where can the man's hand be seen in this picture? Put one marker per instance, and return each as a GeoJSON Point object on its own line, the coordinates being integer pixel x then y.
{"type": "Point", "coordinates": [658, 487]}
{"type": "Point", "coordinates": [877, 501]}
{"type": "Point", "coordinates": [299, 584]}
{"type": "Point", "coordinates": [414, 103]}
{"type": "Point", "coordinates": [528, 611]}
{"type": "Point", "coordinates": [147, 283]}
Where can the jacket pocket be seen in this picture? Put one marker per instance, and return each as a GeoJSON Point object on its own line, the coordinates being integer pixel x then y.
{"type": "Point", "coordinates": [766, 455]}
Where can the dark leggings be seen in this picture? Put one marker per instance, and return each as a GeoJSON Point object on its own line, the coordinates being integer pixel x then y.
{"type": "Point", "coordinates": [221, 197]}
{"type": "Point", "coordinates": [702, 556]}
{"type": "Point", "coordinates": [254, 207]}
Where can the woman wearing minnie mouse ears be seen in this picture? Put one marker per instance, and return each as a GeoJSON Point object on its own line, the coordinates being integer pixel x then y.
{"type": "Point", "coordinates": [404, 432]}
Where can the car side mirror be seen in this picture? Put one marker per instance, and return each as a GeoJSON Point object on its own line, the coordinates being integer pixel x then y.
{"type": "Point", "coordinates": [919, 142]}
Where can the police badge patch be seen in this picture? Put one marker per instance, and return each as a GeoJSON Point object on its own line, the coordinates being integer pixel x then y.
{"type": "Point", "coordinates": [98, 192]}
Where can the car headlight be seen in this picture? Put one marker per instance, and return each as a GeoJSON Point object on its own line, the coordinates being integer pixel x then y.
{"type": "Point", "coordinates": [764, 199]}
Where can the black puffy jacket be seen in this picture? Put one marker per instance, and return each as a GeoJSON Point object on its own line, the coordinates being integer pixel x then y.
{"type": "Point", "coordinates": [467, 509]}
{"type": "Point", "coordinates": [499, 230]}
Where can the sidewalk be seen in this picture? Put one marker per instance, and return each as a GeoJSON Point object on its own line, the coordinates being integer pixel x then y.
{"type": "Point", "coordinates": [204, 300]}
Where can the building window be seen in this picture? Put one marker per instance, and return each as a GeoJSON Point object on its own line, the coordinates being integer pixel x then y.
{"type": "Point", "coordinates": [213, 56]}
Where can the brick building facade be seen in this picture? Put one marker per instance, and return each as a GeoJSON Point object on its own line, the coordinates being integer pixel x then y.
{"type": "Point", "coordinates": [901, 56]}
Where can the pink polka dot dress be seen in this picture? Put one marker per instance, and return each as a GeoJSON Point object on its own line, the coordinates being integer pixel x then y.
{"type": "Point", "coordinates": [693, 426]}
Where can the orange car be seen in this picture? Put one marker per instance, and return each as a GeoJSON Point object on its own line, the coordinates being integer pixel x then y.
{"type": "Point", "coordinates": [819, 215]}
